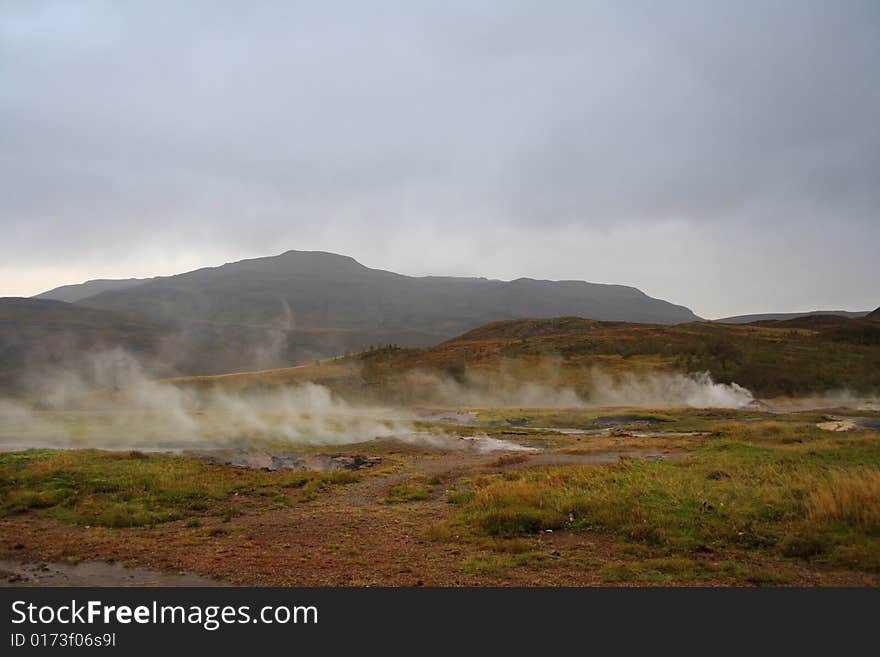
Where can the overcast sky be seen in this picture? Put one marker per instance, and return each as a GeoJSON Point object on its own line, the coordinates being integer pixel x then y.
{"type": "Point", "coordinates": [722, 155]}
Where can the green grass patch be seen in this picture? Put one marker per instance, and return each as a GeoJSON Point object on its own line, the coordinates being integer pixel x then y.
{"type": "Point", "coordinates": [495, 564]}
{"type": "Point", "coordinates": [119, 489]}
{"type": "Point", "coordinates": [407, 491]}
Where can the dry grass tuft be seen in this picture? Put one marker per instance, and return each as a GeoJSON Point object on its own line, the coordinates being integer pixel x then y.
{"type": "Point", "coordinates": [851, 497]}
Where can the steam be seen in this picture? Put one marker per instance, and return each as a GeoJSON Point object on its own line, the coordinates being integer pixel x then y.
{"type": "Point", "coordinates": [112, 404]}
{"type": "Point", "coordinates": [271, 350]}
{"type": "Point", "coordinates": [545, 389]}
{"type": "Point", "coordinates": [111, 401]}
{"type": "Point", "coordinates": [497, 389]}
{"type": "Point", "coordinates": [667, 390]}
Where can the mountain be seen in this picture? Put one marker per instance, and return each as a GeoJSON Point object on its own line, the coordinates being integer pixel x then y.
{"type": "Point", "coordinates": [278, 311]}
{"type": "Point", "coordinates": [80, 291]}
{"type": "Point", "coordinates": [874, 314]}
{"type": "Point", "coordinates": [748, 319]}
{"type": "Point", "coordinates": [316, 290]}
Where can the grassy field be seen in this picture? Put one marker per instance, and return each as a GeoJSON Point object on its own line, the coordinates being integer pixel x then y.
{"type": "Point", "coordinates": [766, 488]}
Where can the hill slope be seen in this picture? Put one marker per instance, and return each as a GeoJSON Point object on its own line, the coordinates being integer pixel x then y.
{"type": "Point", "coordinates": [80, 291]}
{"type": "Point", "coordinates": [771, 359]}
{"type": "Point", "coordinates": [316, 290]}
{"type": "Point", "coordinates": [37, 336]}
{"type": "Point", "coordinates": [748, 319]}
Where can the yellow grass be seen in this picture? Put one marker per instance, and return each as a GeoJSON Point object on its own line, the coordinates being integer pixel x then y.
{"type": "Point", "coordinates": [851, 497]}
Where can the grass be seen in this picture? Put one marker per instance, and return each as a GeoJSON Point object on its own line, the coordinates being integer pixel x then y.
{"type": "Point", "coordinates": [848, 498]}
{"type": "Point", "coordinates": [118, 489]}
{"type": "Point", "coordinates": [494, 564]}
{"type": "Point", "coordinates": [750, 489]}
{"type": "Point", "coordinates": [412, 490]}
{"type": "Point", "coordinates": [671, 571]}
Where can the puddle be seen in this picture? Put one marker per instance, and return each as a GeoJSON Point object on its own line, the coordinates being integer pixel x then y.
{"type": "Point", "coordinates": [485, 444]}
{"type": "Point", "coordinates": [619, 432]}
{"type": "Point", "coordinates": [571, 431]}
{"type": "Point", "coordinates": [617, 420]}
{"type": "Point", "coordinates": [850, 423]}
{"type": "Point", "coordinates": [612, 456]}
{"type": "Point", "coordinates": [480, 444]}
{"type": "Point", "coordinates": [94, 573]}
{"type": "Point", "coordinates": [668, 434]}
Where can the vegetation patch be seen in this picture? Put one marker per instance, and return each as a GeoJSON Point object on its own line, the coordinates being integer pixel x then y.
{"type": "Point", "coordinates": [494, 564]}
{"type": "Point", "coordinates": [127, 489]}
{"type": "Point", "coordinates": [412, 490]}
{"type": "Point", "coordinates": [749, 489]}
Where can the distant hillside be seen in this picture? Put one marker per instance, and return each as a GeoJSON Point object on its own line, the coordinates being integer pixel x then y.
{"type": "Point", "coordinates": [316, 290]}
{"type": "Point", "coordinates": [803, 355]}
{"type": "Point", "coordinates": [875, 314]}
{"type": "Point", "coordinates": [80, 291]}
{"type": "Point", "coordinates": [747, 319]}
{"type": "Point", "coordinates": [38, 334]}
{"type": "Point", "coordinates": [771, 360]}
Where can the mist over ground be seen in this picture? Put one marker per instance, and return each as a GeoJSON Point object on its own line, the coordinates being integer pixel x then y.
{"type": "Point", "coordinates": [110, 402]}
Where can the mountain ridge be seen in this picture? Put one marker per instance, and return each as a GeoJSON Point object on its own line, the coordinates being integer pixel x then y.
{"type": "Point", "coordinates": [76, 292]}
{"type": "Point", "coordinates": [277, 311]}
{"type": "Point", "coordinates": [321, 289]}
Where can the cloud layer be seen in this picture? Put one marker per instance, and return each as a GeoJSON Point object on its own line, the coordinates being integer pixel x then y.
{"type": "Point", "coordinates": [721, 155]}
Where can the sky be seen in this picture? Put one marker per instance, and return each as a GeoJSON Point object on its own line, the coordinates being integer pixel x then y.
{"type": "Point", "coordinates": [721, 155]}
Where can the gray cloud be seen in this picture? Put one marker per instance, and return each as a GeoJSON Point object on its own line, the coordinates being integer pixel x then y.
{"type": "Point", "coordinates": [721, 155]}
